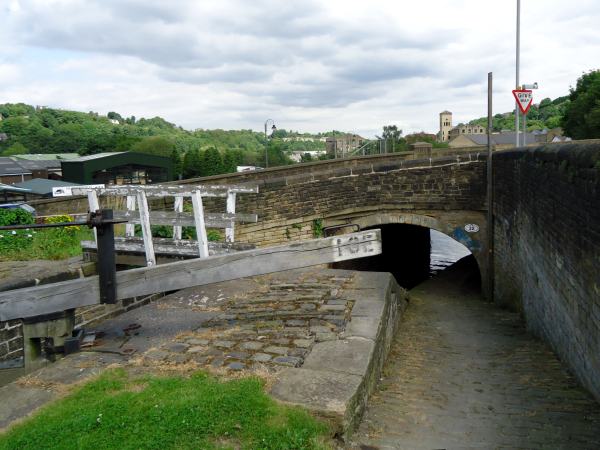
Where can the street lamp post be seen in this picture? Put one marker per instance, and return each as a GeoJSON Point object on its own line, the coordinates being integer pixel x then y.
{"type": "Point", "coordinates": [273, 130]}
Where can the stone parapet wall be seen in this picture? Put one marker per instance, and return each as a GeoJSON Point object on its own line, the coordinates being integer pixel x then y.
{"type": "Point", "coordinates": [296, 206]}
{"type": "Point", "coordinates": [286, 175]}
{"type": "Point", "coordinates": [547, 248]}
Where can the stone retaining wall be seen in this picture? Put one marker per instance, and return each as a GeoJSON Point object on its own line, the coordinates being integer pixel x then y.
{"type": "Point", "coordinates": [11, 343]}
{"type": "Point", "coordinates": [547, 248]}
{"type": "Point", "coordinates": [11, 332]}
{"type": "Point", "coordinates": [91, 315]}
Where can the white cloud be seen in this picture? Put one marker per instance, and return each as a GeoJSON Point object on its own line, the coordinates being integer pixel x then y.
{"type": "Point", "coordinates": [310, 65]}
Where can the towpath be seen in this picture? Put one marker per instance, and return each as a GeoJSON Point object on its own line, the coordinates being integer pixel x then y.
{"type": "Point", "coordinates": [463, 373]}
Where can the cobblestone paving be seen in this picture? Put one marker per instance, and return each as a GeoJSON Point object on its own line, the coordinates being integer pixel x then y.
{"type": "Point", "coordinates": [273, 327]}
{"type": "Point", "coordinates": [465, 374]}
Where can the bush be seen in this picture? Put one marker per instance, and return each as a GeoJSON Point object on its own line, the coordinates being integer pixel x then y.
{"type": "Point", "coordinates": [50, 243]}
{"type": "Point", "coordinates": [16, 216]}
{"type": "Point", "coordinates": [15, 240]}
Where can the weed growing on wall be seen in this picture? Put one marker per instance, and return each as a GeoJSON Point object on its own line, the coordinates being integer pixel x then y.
{"type": "Point", "coordinates": [317, 227]}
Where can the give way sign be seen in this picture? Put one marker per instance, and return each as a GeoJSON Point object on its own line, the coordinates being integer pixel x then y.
{"type": "Point", "coordinates": [524, 99]}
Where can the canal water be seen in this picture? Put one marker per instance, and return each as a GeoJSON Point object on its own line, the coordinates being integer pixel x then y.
{"type": "Point", "coordinates": [445, 251]}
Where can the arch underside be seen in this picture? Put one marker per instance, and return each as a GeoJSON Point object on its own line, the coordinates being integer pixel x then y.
{"type": "Point", "coordinates": [451, 223]}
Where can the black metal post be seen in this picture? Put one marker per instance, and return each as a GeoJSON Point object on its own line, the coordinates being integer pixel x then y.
{"type": "Point", "coordinates": [102, 221]}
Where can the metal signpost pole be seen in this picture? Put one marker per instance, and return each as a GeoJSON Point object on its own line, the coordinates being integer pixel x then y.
{"type": "Point", "coordinates": [518, 61]}
{"type": "Point", "coordinates": [490, 196]}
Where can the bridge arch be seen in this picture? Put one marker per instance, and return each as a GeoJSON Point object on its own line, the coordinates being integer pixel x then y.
{"type": "Point", "coordinates": [452, 224]}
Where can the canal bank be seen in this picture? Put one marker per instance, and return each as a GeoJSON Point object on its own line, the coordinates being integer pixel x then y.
{"type": "Point", "coordinates": [464, 373]}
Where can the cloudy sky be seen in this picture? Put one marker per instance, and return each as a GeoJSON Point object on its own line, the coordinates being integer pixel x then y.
{"type": "Point", "coordinates": [309, 65]}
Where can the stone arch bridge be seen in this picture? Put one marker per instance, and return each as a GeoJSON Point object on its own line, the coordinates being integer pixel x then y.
{"type": "Point", "coordinates": [546, 230]}
{"type": "Point", "coordinates": [445, 194]}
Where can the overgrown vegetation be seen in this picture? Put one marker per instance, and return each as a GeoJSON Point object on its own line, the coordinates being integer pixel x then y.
{"type": "Point", "coordinates": [317, 228]}
{"type": "Point", "coordinates": [119, 411]}
{"type": "Point", "coordinates": [49, 243]}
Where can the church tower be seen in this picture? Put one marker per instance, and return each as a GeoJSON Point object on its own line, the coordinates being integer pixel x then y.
{"type": "Point", "coordinates": [445, 126]}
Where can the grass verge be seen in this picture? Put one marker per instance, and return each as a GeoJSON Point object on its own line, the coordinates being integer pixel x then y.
{"type": "Point", "coordinates": [120, 411]}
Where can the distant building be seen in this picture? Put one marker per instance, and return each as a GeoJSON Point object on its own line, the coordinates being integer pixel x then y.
{"type": "Point", "coordinates": [44, 162]}
{"type": "Point", "coordinates": [296, 156]}
{"type": "Point", "coordinates": [3, 137]}
{"type": "Point", "coordinates": [11, 194]}
{"type": "Point", "coordinates": [420, 137]}
{"type": "Point", "coordinates": [466, 129]}
{"type": "Point", "coordinates": [303, 139]}
{"type": "Point", "coordinates": [448, 132]}
{"type": "Point", "coordinates": [445, 126]}
{"type": "Point", "coordinates": [12, 172]}
{"type": "Point", "coordinates": [118, 168]}
{"type": "Point", "coordinates": [39, 187]}
{"type": "Point", "coordinates": [342, 146]}
{"type": "Point", "coordinates": [553, 135]}
{"type": "Point", "coordinates": [421, 148]}
{"type": "Point", "coordinates": [46, 156]}
{"type": "Point", "coordinates": [507, 139]}
{"type": "Point", "coordinates": [500, 141]}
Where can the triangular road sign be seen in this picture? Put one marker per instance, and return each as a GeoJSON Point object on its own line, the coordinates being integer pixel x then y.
{"type": "Point", "coordinates": [524, 99]}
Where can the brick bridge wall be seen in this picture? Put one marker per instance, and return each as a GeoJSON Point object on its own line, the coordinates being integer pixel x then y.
{"type": "Point", "coordinates": [547, 248]}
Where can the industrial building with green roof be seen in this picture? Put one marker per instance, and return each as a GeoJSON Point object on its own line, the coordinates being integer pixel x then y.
{"type": "Point", "coordinates": [118, 168]}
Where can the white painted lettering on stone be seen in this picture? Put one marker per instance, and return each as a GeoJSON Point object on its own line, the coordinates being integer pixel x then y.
{"type": "Point", "coordinates": [356, 245]}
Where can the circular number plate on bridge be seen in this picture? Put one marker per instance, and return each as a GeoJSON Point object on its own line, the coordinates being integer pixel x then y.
{"type": "Point", "coordinates": [471, 228]}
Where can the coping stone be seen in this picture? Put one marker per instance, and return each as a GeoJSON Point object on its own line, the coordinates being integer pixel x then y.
{"type": "Point", "coordinates": [350, 355]}
{"type": "Point", "coordinates": [322, 392]}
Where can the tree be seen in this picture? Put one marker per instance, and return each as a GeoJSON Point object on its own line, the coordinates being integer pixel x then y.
{"type": "Point", "coordinates": [305, 157]}
{"type": "Point", "coordinates": [581, 118]}
{"type": "Point", "coordinates": [177, 164]}
{"type": "Point", "coordinates": [392, 138]}
{"type": "Point", "coordinates": [277, 157]}
{"type": "Point", "coordinates": [229, 162]}
{"type": "Point", "coordinates": [114, 116]}
{"type": "Point", "coordinates": [155, 145]}
{"type": "Point", "coordinates": [192, 164]}
{"type": "Point", "coordinates": [67, 139]}
{"type": "Point", "coordinates": [16, 149]}
{"type": "Point", "coordinates": [212, 163]}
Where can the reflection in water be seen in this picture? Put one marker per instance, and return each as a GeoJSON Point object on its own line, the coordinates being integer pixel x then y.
{"type": "Point", "coordinates": [445, 251]}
